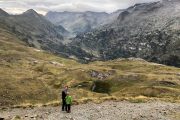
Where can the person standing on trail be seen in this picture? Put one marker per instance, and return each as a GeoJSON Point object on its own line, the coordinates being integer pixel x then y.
{"type": "Point", "coordinates": [64, 93]}
{"type": "Point", "coordinates": [68, 102]}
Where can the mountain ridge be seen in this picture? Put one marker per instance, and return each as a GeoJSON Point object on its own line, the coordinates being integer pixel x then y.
{"type": "Point", "coordinates": [80, 22]}
{"type": "Point", "coordinates": [3, 13]}
{"type": "Point", "coordinates": [36, 31]}
{"type": "Point", "coordinates": [30, 11]}
{"type": "Point", "coordinates": [143, 30]}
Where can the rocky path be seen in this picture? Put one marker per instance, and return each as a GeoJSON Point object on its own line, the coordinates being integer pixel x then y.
{"type": "Point", "coordinates": [104, 111]}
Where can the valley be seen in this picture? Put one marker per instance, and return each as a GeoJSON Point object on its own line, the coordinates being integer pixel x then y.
{"type": "Point", "coordinates": [31, 77]}
{"type": "Point", "coordinates": [125, 63]}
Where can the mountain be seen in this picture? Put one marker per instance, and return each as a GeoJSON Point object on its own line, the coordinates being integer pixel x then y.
{"type": "Point", "coordinates": [80, 22]}
{"type": "Point", "coordinates": [148, 30]}
{"type": "Point", "coordinates": [33, 77]}
{"type": "Point", "coordinates": [62, 31]}
{"type": "Point", "coordinates": [110, 18]}
{"type": "Point", "coordinates": [3, 13]}
{"type": "Point", "coordinates": [35, 30]}
{"type": "Point", "coordinates": [76, 22]}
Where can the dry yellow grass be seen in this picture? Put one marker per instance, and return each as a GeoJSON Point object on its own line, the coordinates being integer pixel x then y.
{"type": "Point", "coordinates": [30, 77]}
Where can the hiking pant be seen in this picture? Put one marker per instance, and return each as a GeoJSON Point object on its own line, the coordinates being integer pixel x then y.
{"type": "Point", "coordinates": [64, 106]}
{"type": "Point", "coordinates": [68, 108]}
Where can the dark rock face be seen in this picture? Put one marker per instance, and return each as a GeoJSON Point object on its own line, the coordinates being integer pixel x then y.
{"type": "Point", "coordinates": [123, 15]}
{"type": "Point", "coordinates": [101, 86]}
{"type": "Point", "coordinates": [149, 31]}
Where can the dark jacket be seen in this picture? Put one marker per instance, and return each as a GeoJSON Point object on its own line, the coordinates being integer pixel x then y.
{"type": "Point", "coordinates": [63, 94]}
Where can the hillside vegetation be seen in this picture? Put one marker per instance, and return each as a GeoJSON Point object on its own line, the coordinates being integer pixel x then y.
{"type": "Point", "coordinates": [30, 76]}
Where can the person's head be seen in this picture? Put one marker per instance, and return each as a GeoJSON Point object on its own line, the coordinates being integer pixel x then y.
{"type": "Point", "coordinates": [66, 87]}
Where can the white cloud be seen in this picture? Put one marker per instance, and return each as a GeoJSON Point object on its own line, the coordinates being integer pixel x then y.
{"type": "Point", "coordinates": [19, 6]}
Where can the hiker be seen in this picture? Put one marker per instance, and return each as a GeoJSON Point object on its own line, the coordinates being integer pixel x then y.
{"type": "Point", "coordinates": [64, 93]}
{"type": "Point", "coordinates": [68, 102]}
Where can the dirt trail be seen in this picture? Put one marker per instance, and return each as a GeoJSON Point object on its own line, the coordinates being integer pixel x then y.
{"type": "Point", "coordinates": [104, 111]}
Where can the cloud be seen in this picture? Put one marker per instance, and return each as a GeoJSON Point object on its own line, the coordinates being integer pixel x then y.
{"type": "Point", "coordinates": [19, 6]}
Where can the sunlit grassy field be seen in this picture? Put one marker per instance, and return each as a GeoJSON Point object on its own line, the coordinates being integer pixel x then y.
{"type": "Point", "coordinates": [34, 77]}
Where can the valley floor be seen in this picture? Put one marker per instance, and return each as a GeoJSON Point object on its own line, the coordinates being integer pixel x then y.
{"type": "Point", "coordinates": [154, 110]}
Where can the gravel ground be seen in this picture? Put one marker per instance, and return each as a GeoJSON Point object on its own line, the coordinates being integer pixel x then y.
{"type": "Point", "coordinates": [104, 111]}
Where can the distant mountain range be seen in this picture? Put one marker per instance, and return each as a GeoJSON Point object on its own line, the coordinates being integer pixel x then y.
{"type": "Point", "coordinates": [147, 30]}
{"type": "Point", "coordinates": [81, 22]}
{"type": "Point", "coordinates": [35, 30]}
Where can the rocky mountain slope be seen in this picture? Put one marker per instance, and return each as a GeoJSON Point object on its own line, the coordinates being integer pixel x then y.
{"type": "Point", "coordinates": [38, 32]}
{"type": "Point", "coordinates": [34, 29]}
{"type": "Point", "coordinates": [80, 22]}
{"type": "Point", "coordinates": [3, 13]}
{"type": "Point", "coordinates": [149, 31]}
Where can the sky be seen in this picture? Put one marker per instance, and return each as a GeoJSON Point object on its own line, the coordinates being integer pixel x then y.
{"type": "Point", "coordinates": [43, 6]}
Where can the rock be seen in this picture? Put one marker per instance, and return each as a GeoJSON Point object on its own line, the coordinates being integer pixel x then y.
{"type": "Point", "coordinates": [165, 113]}
{"type": "Point", "coordinates": [17, 117]}
{"type": "Point", "coordinates": [72, 119]}
{"type": "Point", "coordinates": [36, 62]}
{"type": "Point", "coordinates": [37, 50]}
{"type": "Point", "coordinates": [101, 75]}
{"type": "Point", "coordinates": [56, 63]}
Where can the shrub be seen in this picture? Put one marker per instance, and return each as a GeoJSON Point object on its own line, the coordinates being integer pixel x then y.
{"type": "Point", "coordinates": [101, 86]}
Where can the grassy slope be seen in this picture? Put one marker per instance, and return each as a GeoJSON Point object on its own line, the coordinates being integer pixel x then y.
{"type": "Point", "coordinates": [30, 76]}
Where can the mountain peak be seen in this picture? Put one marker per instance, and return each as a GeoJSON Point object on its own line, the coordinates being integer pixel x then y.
{"type": "Point", "coordinates": [3, 13]}
{"type": "Point", "coordinates": [31, 12]}
{"type": "Point", "coordinates": [170, 0]}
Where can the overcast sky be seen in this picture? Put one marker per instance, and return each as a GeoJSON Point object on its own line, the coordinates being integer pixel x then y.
{"type": "Point", "coordinates": [42, 6]}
